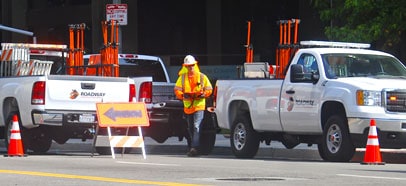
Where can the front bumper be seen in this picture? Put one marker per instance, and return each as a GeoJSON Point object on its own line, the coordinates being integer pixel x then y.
{"type": "Point", "coordinates": [391, 132]}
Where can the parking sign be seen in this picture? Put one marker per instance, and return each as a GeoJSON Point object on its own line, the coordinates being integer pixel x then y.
{"type": "Point", "coordinates": [117, 12]}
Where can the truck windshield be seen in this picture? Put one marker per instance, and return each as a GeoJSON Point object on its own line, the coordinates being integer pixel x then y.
{"type": "Point", "coordinates": [139, 67]}
{"type": "Point", "coordinates": [362, 65]}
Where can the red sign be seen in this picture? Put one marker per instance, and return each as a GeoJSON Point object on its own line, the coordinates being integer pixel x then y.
{"type": "Point", "coordinates": [117, 12]}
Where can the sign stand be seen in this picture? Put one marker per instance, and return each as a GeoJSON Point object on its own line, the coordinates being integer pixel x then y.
{"type": "Point", "coordinates": [122, 115]}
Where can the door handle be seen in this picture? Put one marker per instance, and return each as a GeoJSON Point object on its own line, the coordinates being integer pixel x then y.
{"type": "Point", "coordinates": [290, 92]}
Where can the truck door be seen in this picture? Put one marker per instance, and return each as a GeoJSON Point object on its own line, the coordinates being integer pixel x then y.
{"type": "Point", "coordinates": [300, 100]}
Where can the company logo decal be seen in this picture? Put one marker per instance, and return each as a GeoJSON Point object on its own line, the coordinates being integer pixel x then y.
{"type": "Point", "coordinates": [304, 102]}
{"type": "Point", "coordinates": [291, 103]}
{"type": "Point", "coordinates": [74, 94]}
{"type": "Point", "coordinates": [299, 102]}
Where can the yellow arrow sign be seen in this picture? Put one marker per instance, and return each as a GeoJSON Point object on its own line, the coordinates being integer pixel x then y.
{"type": "Point", "coordinates": [122, 114]}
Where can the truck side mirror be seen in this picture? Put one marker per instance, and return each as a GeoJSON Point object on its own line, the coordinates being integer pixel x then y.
{"type": "Point", "coordinates": [296, 73]}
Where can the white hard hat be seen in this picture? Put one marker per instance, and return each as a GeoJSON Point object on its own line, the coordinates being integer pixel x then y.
{"type": "Point", "coordinates": [189, 60]}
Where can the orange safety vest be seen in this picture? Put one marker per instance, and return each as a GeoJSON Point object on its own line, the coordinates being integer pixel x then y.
{"type": "Point", "coordinates": [196, 86]}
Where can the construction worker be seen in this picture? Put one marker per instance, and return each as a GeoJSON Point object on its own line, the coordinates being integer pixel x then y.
{"type": "Point", "coordinates": [193, 87]}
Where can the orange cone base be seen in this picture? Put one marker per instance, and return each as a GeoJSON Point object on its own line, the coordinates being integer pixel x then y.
{"type": "Point", "coordinates": [15, 155]}
{"type": "Point", "coordinates": [372, 163]}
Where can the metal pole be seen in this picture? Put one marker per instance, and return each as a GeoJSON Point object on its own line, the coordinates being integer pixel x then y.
{"type": "Point", "coordinates": [120, 44]}
{"type": "Point", "coordinates": [2, 27]}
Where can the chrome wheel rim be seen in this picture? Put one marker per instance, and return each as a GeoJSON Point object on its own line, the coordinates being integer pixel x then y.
{"type": "Point", "coordinates": [239, 137]}
{"type": "Point", "coordinates": [334, 138]}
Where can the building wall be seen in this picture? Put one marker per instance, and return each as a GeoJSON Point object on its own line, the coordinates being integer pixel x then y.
{"type": "Point", "coordinates": [215, 31]}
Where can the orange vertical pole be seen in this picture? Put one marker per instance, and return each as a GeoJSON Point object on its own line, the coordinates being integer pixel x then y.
{"type": "Point", "coordinates": [111, 49]}
{"type": "Point", "coordinates": [71, 53]}
{"type": "Point", "coordinates": [280, 33]}
{"type": "Point", "coordinates": [248, 57]}
{"type": "Point", "coordinates": [116, 62]}
{"type": "Point", "coordinates": [283, 48]}
{"type": "Point", "coordinates": [289, 50]}
{"type": "Point", "coordinates": [76, 44]}
{"type": "Point", "coordinates": [289, 25]}
{"type": "Point", "coordinates": [296, 30]}
{"type": "Point", "coordinates": [284, 33]}
{"type": "Point", "coordinates": [82, 43]}
{"type": "Point", "coordinates": [104, 31]}
{"type": "Point", "coordinates": [278, 50]}
{"type": "Point", "coordinates": [103, 52]}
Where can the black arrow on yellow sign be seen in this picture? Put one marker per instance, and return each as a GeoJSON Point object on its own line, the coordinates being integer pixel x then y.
{"type": "Point", "coordinates": [114, 114]}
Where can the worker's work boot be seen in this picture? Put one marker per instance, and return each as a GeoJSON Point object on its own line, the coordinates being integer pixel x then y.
{"type": "Point", "coordinates": [192, 153]}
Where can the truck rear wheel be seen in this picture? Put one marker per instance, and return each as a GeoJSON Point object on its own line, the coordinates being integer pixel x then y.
{"type": "Point", "coordinates": [32, 139]}
{"type": "Point", "coordinates": [336, 144]}
{"type": "Point", "coordinates": [208, 133]}
{"type": "Point", "coordinates": [38, 142]}
{"type": "Point", "coordinates": [244, 140]}
{"type": "Point", "coordinates": [207, 141]}
{"type": "Point", "coordinates": [37, 139]}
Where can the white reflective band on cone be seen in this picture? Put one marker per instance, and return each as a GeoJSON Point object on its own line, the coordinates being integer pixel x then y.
{"type": "Point", "coordinates": [372, 131]}
{"type": "Point", "coordinates": [373, 142]}
{"type": "Point", "coordinates": [15, 136]}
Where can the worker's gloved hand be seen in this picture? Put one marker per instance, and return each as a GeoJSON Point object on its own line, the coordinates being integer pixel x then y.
{"type": "Point", "coordinates": [186, 96]}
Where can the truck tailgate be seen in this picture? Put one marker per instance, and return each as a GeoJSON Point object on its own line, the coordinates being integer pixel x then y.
{"type": "Point", "coordinates": [162, 91]}
{"type": "Point", "coordinates": [82, 92]}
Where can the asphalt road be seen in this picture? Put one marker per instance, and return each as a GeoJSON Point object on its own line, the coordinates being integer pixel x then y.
{"type": "Point", "coordinates": [222, 148]}
{"type": "Point", "coordinates": [167, 164]}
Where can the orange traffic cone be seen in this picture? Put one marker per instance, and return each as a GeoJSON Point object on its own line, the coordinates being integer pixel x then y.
{"type": "Point", "coordinates": [15, 146]}
{"type": "Point", "coordinates": [373, 152]}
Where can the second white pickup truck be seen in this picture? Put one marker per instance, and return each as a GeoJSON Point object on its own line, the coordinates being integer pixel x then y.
{"type": "Point", "coordinates": [329, 96]}
{"type": "Point", "coordinates": [154, 88]}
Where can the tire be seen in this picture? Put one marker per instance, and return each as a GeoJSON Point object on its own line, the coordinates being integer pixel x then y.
{"type": "Point", "coordinates": [207, 134]}
{"type": "Point", "coordinates": [336, 144]}
{"type": "Point", "coordinates": [37, 140]}
{"type": "Point", "coordinates": [244, 140]}
{"type": "Point", "coordinates": [33, 139]}
{"type": "Point", "coordinates": [207, 141]}
{"type": "Point", "coordinates": [158, 133]}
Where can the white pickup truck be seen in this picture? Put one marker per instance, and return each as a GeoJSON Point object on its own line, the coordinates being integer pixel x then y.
{"type": "Point", "coordinates": [51, 106]}
{"type": "Point", "coordinates": [329, 96]}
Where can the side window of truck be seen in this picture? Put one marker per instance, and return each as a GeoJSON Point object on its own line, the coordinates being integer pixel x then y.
{"type": "Point", "coordinates": [309, 64]}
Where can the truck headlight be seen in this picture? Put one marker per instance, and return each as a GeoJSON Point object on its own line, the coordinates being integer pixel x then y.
{"type": "Point", "coordinates": [369, 98]}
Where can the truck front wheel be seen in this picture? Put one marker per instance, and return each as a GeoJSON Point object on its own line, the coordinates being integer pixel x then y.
{"type": "Point", "coordinates": [336, 144]}
{"type": "Point", "coordinates": [244, 140]}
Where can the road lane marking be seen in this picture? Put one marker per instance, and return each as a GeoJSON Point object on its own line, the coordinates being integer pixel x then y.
{"type": "Point", "coordinates": [94, 178]}
{"type": "Point", "coordinates": [138, 163]}
{"type": "Point", "coordinates": [375, 177]}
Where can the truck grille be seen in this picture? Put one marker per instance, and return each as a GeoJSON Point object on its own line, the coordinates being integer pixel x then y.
{"type": "Point", "coordinates": [396, 101]}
